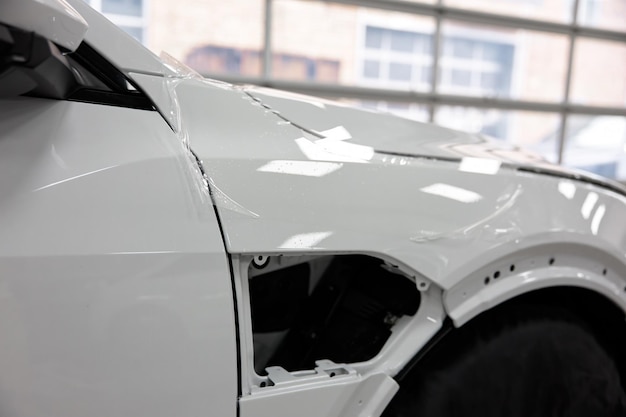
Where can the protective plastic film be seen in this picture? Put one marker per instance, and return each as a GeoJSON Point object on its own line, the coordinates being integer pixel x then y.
{"type": "Point", "coordinates": [165, 95]}
{"type": "Point", "coordinates": [495, 226]}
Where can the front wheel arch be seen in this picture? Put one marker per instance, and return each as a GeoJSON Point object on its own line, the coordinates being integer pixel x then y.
{"type": "Point", "coordinates": [593, 312]}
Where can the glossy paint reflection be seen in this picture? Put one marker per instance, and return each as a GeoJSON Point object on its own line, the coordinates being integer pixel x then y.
{"type": "Point", "coordinates": [305, 240]}
{"type": "Point", "coordinates": [71, 178]}
{"type": "Point", "coordinates": [316, 150]}
{"type": "Point", "coordinates": [460, 198]}
{"type": "Point", "coordinates": [480, 165]}
{"type": "Point", "coordinates": [597, 219]}
{"type": "Point", "coordinates": [306, 168]}
{"type": "Point", "coordinates": [452, 192]}
{"type": "Point", "coordinates": [567, 188]}
{"type": "Point", "coordinates": [589, 204]}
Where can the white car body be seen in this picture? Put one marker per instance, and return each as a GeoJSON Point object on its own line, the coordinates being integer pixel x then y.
{"type": "Point", "coordinates": [124, 260]}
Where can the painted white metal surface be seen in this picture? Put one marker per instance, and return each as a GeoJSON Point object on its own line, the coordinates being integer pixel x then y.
{"type": "Point", "coordinates": [543, 266]}
{"type": "Point", "coordinates": [366, 388]}
{"type": "Point", "coordinates": [55, 20]}
{"type": "Point", "coordinates": [115, 291]}
{"type": "Point", "coordinates": [343, 396]}
{"type": "Point", "coordinates": [291, 191]}
{"type": "Point", "coordinates": [446, 206]}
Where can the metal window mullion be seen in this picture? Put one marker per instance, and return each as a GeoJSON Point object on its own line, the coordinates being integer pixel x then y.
{"type": "Point", "coordinates": [454, 13]}
{"type": "Point", "coordinates": [568, 83]}
{"type": "Point", "coordinates": [267, 41]}
{"type": "Point", "coordinates": [374, 93]}
{"type": "Point", "coordinates": [432, 109]}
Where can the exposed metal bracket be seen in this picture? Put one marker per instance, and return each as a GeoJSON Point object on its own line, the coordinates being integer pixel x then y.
{"type": "Point", "coordinates": [324, 370]}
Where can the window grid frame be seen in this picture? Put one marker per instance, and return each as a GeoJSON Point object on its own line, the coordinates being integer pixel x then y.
{"type": "Point", "coordinates": [385, 56]}
{"type": "Point", "coordinates": [139, 22]}
{"type": "Point", "coordinates": [433, 99]}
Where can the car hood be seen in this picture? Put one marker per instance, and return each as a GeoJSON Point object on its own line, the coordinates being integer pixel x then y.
{"type": "Point", "coordinates": [396, 136]}
{"type": "Point", "coordinates": [292, 174]}
{"type": "Point", "coordinates": [384, 133]}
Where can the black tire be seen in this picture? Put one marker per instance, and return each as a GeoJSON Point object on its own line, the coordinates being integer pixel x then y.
{"type": "Point", "coordinates": [536, 369]}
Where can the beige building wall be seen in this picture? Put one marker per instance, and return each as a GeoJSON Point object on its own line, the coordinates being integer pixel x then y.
{"type": "Point", "coordinates": [317, 30]}
{"type": "Point", "coordinates": [599, 73]}
{"type": "Point", "coordinates": [179, 26]}
{"type": "Point", "coordinates": [325, 31]}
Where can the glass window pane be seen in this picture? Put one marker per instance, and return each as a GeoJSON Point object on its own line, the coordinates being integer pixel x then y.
{"type": "Point", "coordinates": [492, 51]}
{"type": "Point", "coordinates": [598, 73]}
{"type": "Point", "coordinates": [604, 14]}
{"type": "Point", "coordinates": [373, 38]}
{"type": "Point", "coordinates": [534, 131]}
{"type": "Point", "coordinates": [461, 77]}
{"type": "Point", "coordinates": [123, 7]}
{"type": "Point", "coordinates": [460, 47]}
{"type": "Point", "coordinates": [552, 10]}
{"type": "Point", "coordinates": [489, 81]}
{"type": "Point", "coordinates": [596, 144]}
{"type": "Point", "coordinates": [502, 62]}
{"type": "Point", "coordinates": [371, 69]}
{"type": "Point", "coordinates": [399, 72]}
{"type": "Point", "coordinates": [424, 44]}
{"type": "Point", "coordinates": [366, 46]}
{"type": "Point", "coordinates": [402, 41]}
{"type": "Point", "coordinates": [425, 75]}
{"type": "Point", "coordinates": [210, 37]}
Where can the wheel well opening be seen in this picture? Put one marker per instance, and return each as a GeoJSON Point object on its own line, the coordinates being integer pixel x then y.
{"type": "Point", "coordinates": [587, 309]}
{"type": "Point", "coordinates": [337, 307]}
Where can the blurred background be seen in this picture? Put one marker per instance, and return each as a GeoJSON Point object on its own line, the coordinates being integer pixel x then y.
{"type": "Point", "coordinates": [547, 75]}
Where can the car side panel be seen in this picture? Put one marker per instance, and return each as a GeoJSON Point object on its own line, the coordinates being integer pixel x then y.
{"type": "Point", "coordinates": [115, 290]}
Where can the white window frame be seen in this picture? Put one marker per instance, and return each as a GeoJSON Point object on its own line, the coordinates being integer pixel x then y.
{"type": "Point", "coordinates": [416, 61]}
{"type": "Point", "coordinates": [140, 22]}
